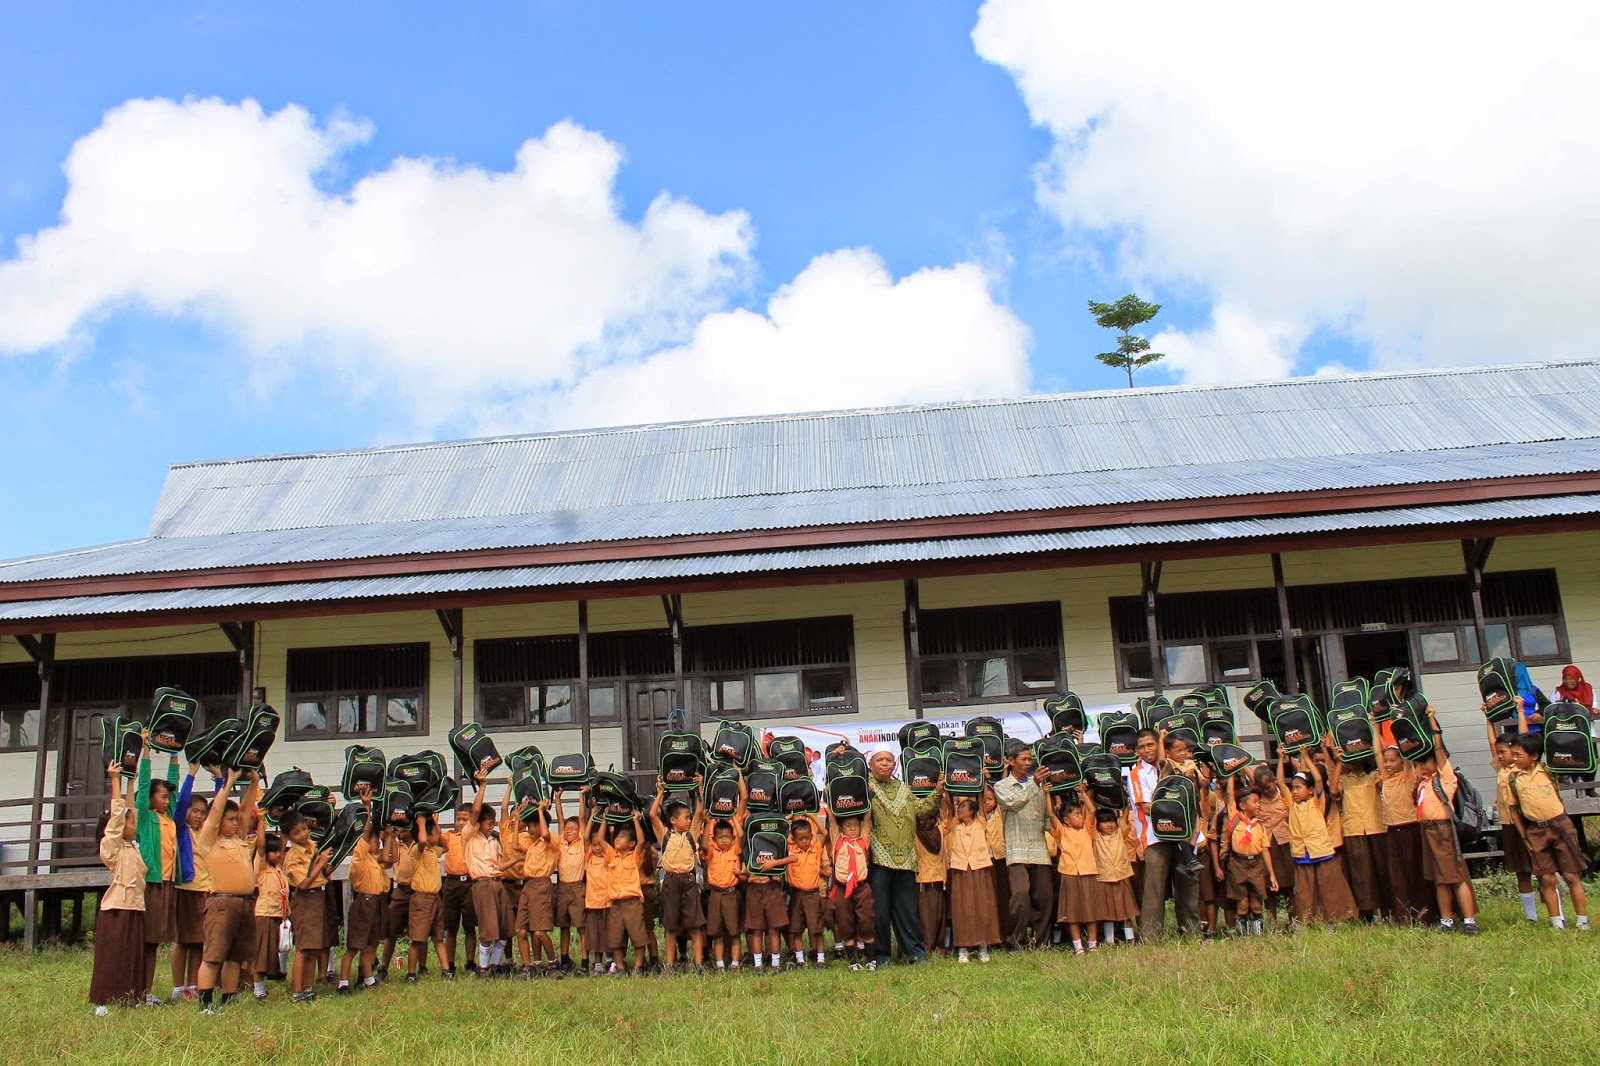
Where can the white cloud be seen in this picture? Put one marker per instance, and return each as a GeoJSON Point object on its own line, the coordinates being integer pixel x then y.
{"type": "Point", "coordinates": [478, 299]}
{"type": "Point", "coordinates": [1418, 175]}
{"type": "Point", "coordinates": [844, 333]}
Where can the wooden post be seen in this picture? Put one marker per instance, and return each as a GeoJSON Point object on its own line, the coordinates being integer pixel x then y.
{"type": "Point", "coordinates": [914, 647]}
{"type": "Point", "coordinates": [242, 635]}
{"type": "Point", "coordinates": [1291, 668]}
{"type": "Point", "coordinates": [1150, 580]}
{"type": "Point", "coordinates": [583, 671]}
{"type": "Point", "coordinates": [1476, 555]}
{"type": "Point", "coordinates": [43, 653]}
{"type": "Point", "coordinates": [450, 621]}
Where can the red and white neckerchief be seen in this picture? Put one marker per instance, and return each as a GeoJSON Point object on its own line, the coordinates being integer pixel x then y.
{"type": "Point", "coordinates": [848, 870]}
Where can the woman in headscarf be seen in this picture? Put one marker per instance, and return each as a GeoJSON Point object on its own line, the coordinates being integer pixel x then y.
{"type": "Point", "coordinates": [1574, 688]}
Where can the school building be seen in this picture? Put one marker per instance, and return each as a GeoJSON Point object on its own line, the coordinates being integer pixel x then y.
{"type": "Point", "coordinates": [569, 589]}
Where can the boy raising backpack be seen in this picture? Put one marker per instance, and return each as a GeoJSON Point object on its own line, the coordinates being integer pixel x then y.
{"type": "Point", "coordinates": [1442, 862]}
{"type": "Point", "coordinates": [1541, 819]}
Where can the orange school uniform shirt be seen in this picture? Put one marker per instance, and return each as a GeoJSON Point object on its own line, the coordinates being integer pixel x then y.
{"type": "Point", "coordinates": [805, 873]}
{"type": "Point", "coordinates": [540, 861]}
{"type": "Point", "coordinates": [597, 880]}
{"type": "Point", "coordinates": [624, 873]}
{"type": "Point", "coordinates": [722, 867]}
{"type": "Point", "coordinates": [573, 861]}
{"type": "Point", "coordinates": [1076, 852]}
{"type": "Point", "coordinates": [455, 859]}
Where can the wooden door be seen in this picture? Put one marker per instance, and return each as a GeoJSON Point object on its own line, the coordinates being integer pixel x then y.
{"type": "Point", "coordinates": [83, 782]}
{"type": "Point", "coordinates": [650, 704]}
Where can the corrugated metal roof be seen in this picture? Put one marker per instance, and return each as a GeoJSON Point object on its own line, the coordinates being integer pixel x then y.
{"type": "Point", "coordinates": [798, 509]}
{"type": "Point", "coordinates": [583, 575]}
{"type": "Point", "coordinates": [1105, 433]}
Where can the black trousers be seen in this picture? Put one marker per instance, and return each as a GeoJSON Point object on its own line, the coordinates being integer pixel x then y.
{"type": "Point", "coordinates": [1033, 891]}
{"type": "Point", "coordinates": [1164, 861]}
{"type": "Point", "coordinates": [894, 893]}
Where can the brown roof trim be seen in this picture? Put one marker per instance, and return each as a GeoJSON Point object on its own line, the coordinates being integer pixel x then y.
{"type": "Point", "coordinates": [826, 576]}
{"type": "Point", "coordinates": [1059, 520]}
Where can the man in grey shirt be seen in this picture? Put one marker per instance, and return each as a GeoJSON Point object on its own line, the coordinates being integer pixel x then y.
{"type": "Point", "coordinates": [1025, 808]}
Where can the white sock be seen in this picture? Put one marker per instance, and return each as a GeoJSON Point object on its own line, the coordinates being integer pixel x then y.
{"type": "Point", "coordinates": [1558, 922]}
{"type": "Point", "coordinates": [1530, 905]}
{"type": "Point", "coordinates": [799, 956]}
{"type": "Point", "coordinates": [1127, 933]}
{"type": "Point", "coordinates": [483, 956]}
{"type": "Point", "coordinates": [261, 988]}
{"type": "Point", "coordinates": [961, 954]}
{"type": "Point", "coordinates": [1108, 931]}
{"type": "Point", "coordinates": [821, 957]}
{"type": "Point", "coordinates": [721, 965]}
{"type": "Point", "coordinates": [497, 951]}
{"type": "Point", "coordinates": [758, 958]}
{"type": "Point", "coordinates": [1448, 923]}
{"type": "Point", "coordinates": [1583, 921]}
{"type": "Point", "coordinates": [369, 980]}
{"type": "Point", "coordinates": [344, 984]}
{"type": "Point", "coordinates": [1077, 945]}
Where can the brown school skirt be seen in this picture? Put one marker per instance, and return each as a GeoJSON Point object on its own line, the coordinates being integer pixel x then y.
{"type": "Point", "coordinates": [424, 919]}
{"type": "Point", "coordinates": [625, 924]}
{"type": "Point", "coordinates": [536, 906]}
{"type": "Point", "coordinates": [681, 906]}
{"type": "Point", "coordinates": [805, 911]}
{"type": "Point", "coordinates": [854, 917]}
{"type": "Point", "coordinates": [1366, 864]}
{"type": "Point", "coordinates": [1078, 899]}
{"type": "Point", "coordinates": [1247, 877]}
{"type": "Point", "coordinates": [264, 958]}
{"type": "Point", "coordinates": [1321, 892]}
{"type": "Point", "coordinates": [1553, 848]}
{"type": "Point", "coordinates": [190, 916]}
{"type": "Point", "coordinates": [488, 898]}
{"type": "Point", "coordinates": [395, 922]}
{"type": "Point", "coordinates": [1206, 881]}
{"type": "Point", "coordinates": [1514, 855]}
{"type": "Point", "coordinates": [1411, 892]}
{"type": "Point", "coordinates": [118, 976]}
{"type": "Point", "coordinates": [1283, 864]}
{"type": "Point", "coordinates": [363, 926]}
{"type": "Point", "coordinates": [161, 913]}
{"type": "Point", "coordinates": [1117, 902]}
{"type": "Point", "coordinates": [595, 920]}
{"type": "Point", "coordinates": [569, 904]}
{"type": "Point", "coordinates": [931, 912]}
{"type": "Point", "coordinates": [1441, 857]}
{"type": "Point", "coordinates": [308, 914]}
{"type": "Point", "coordinates": [722, 912]}
{"type": "Point", "coordinates": [230, 930]}
{"type": "Point", "coordinates": [974, 911]}
{"type": "Point", "coordinates": [765, 909]}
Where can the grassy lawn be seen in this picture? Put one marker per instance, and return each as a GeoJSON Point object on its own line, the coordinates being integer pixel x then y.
{"type": "Point", "coordinates": [1514, 994]}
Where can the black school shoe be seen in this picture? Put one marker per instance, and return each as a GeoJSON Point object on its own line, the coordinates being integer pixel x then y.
{"type": "Point", "coordinates": [448, 975]}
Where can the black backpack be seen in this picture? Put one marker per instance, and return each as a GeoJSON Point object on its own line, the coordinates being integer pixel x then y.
{"type": "Point", "coordinates": [964, 771]}
{"type": "Point", "coordinates": [1066, 713]}
{"type": "Point", "coordinates": [1103, 772]}
{"type": "Point", "coordinates": [1180, 725]}
{"type": "Point", "coordinates": [1348, 721]}
{"type": "Point", "coordinates": [1149, 708]}
{"type": "Point", "coordinates": [570, 772]}
{"type": "Point", "coordinates": [734, 743]}
{"type": "Point", "coordinates": [762, 785]}
{"type": "Point", "coordinates": [1204, 696]}
{"type": "Point", "coordinates": [765, 837]}
{"type": "Point", "coordinates": [395, 806]}
{"type": "Point", "coordinates": [286, 790]}
{"type": "Point", "coordinates": [1409, 726]}
{"type": "Point", "coordinates": [791, 752]}
{"type": "Point", "coordinates": [474, 749]}
{"type": "Point", "coordinates": [1216, 726]}
{"type": "Point", "coordinates": [842, 760]}
{"type": "Point", "coordinates": [121, 742]}
{"type": "Point", "coordinates": [1568, 742]}
{"type": "Point", "coordinates": [248, 750]}
{"type": "Point", "coordinates": [527, 775]}
{"type": "Point", "coordinates": [1229, 759]}
{"type": "Point", "coordinates": [1379, 696]}
{"type": "Point", "coordinates": [422, 771]}
{"type": "Point", "coordinates": [799, 796]}
{"type": "Point", "coordinates": [1296, 722]}
{"type": "Point", "coordinates": [922, 774]}
{"type": "Point", "coordinates": [848, 796]}
{"type": "Point", "coordinates": [1174, 809]}
{"type": "Point", "coordinates": [915, 731]}
{"type": "Point", "coordinates": [679, 758]}
{"type": "Point", "coordinates": [208, 748]}
{"type": "Point", "coordinates": [362, 766]}
{"type": "Point", "coordinates": [1497, 684]}
{"type": "Point", "coordinates": [612, 787]}
{"type": "Point", "coordinates": [722, 792]}
{"type": "Point", "coordinates": [172, 717]}
{"type": "Point", "coordinates": [1058, 756]}
{"type": "Point", "coordinates": [316, 809]}
{"type": "Point", "coordinates": [348, 826]}
{"type": "Point", "coordinates": [1260, 699]}
{"type": "Point", "coordinates": [1467, 811]}
{"type": "Point", "coordinates": [991, 732]}
{"type": "Point", "coordinates": [1119, 736]}
{"type": "Point", "coordinates": [436, 798]}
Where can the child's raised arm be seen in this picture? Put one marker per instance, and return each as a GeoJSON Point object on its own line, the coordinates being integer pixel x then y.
{"type": "Point", "coordinates": [655, 814]}
{"type": "Point", "coordinates": [1283, 782]}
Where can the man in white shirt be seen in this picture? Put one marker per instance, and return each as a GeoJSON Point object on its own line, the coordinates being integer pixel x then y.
{"type": "Point", "coordinates": [1025, 807]}
{"type": "Point", "coordinates": [1163, 861]}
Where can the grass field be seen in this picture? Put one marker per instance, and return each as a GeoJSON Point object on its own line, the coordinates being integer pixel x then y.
{"type": "Point", "coordinates": [1515, 994]}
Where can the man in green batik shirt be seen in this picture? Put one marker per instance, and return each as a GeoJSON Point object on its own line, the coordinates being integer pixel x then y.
{"type": "Point", "coordinates": [893, 872]}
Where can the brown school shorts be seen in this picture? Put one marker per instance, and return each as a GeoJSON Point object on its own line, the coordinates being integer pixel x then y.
{"type": "Point", "coordinates": [190, 911]}
{"type": "Point", "coordinates": [765, 908]}
{"type": "Point", "coordinates": [681, 907]}
{"type": "Point", "coordinates": [722, 912]}
{"type": "Point", "coordinates": [536, 906]}
{"type": "Point", "coordinates": [488, 898]}
{"type": "Point", "coordinates": [230, 930]}
{"type": "Point", "coordinates": [854, 916]}
{"type": "Point", "coordinates": [363, 925]}
{"type": "Point", "coordinates": [455, 903]}
{"type": "Point", "coordinates": [1247, 877]}
{"type": "Point", "coordinates": [425, 918]}
{"type": "Point", "coordinates": [308, 913]}
{"type": "Point", "coordinates": [1553, 848]}
{"type": "Point", "coordinates": [160, 913]}
{"type": "Point", "coordinates": [625, 924]}
{"type": "Point", "coordinates": [265, 955]}
{"type": "Point", "coordinates": [395, 922]}
{"type": "Point", "coordinates": [1441, 858]}
{"type": "Point", "coordinates": [595, 920]}
{"type": "Point", "coordinates": [805, 911]}
{"type": "Point", "coordinates": [569, 904]}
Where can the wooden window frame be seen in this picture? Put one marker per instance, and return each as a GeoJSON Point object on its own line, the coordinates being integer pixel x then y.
{"type": "Point", "coordinates": [383, 692]}
{"type": "Point", "coordinates": [1010, 652]}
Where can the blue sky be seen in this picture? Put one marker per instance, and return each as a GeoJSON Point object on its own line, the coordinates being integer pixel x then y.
{"type": "Point", "coordinates": [818, 128]}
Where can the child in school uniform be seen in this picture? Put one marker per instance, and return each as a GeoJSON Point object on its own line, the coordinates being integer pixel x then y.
{"type": "Point", "coordinates": [306, 867]}
{"type": "Point", "coordinates": [192, 888]}
{"type": "Point", "coordinates": [1115, 845]}
{"type": "Point", "coordinates": [117, 979]}
{"type": "Point", "coordinates": [807, 872]}
{"type": "Point", "coordinates": [425, 916]}
{"type": "Point", "coordinates": [398, 906]}
{"type": "Point", "coordinates": [931, 874]}
{"type": "Point", "coordinates": [855, 921]}
{"type": "Point", "coordinates": [369, 884]}
{"type": "Point", "coordinates": [1275, 816]}
{"type": "Point", "coordinates": [158, 843]}
{"type": "Point", "coordinates": [536, 907]}
{"type": "Point", "coordinates": [1320, 890]}
{"type": "Point", "coordinates": [974, 910]}
{"type": "Point", "coordinates": [597, 900]}
{"type": "Point", "coordinates": [766, 914]}
{"type": "Point", "coordinates": [571, 864]}
{"type": "Point", "coordinates": [1250, 872]}
{"type": "Point", "coordinates": [682, 908]}
{"type": "Point", "coordinates": [1079, 895]}
{"type": "Point", "coordinates": [481, 850]}
{"type": "Point", "coordinates": [995, 830]}
{"type": "Point", "coordinates": [1442, 861]}
{"type": "Point", "coordinates": [719, 851]}
{"type": "Point", "coordinates": [271, 908]}
{"type": "Point", "coordinates": [513, 854]}
{"type": "Point", "coordinates": [226, 845]}
{"type": "Point", "coordinates": [1410, 892]}
{"type": "Point", "coordinates": [1514, 857]}
{"type": "Point", "coordinates": [1365, 846]}
{"type": "Point", "coordinates": [1541, 818]}
{"type": "Point", "coordinates": [625, 917]}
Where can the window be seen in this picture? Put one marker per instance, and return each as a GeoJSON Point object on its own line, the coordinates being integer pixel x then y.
{"type": "Point", "coordinates": [1211, 636]}
{"type": "Point", "coordinates": [772, 669]}
{"type": "Point", "coordinates": [989, 654]}
{"type": "Point", "coordinates": [19, 709]}
{"type": "Point", "coordinates": [368, 691]}
{"type": "Point", "coordinates": [532, 682]}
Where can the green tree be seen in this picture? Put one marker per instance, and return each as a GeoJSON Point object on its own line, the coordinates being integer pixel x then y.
{"type": "Point", "coordinates": [1133, 352]}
